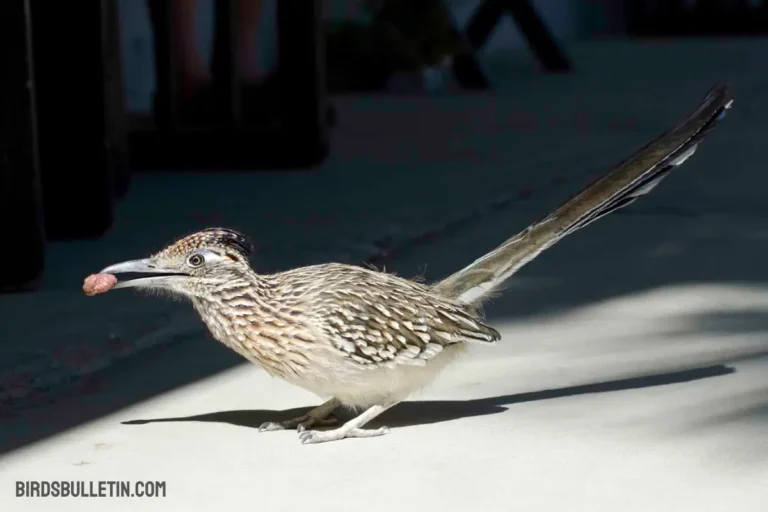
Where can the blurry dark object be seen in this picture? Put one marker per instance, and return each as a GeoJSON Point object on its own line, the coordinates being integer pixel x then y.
{"type": "Point", "coordinates": [190, 91]}
{"type": "Point", "coordinates": [541, 42]}
{"type": "Point", "coordinates": [116, 126]}
{"type": "Point", "coordinates": [402, 36]}
{"type": "Point", "coordinates": [80, 115]}
{"type": "Point", "coordinates": [225, 69]}
{"type": "Point", "coordinates": [22, 260]}
{"type": "Point", "coordinates": [698, 17]}
{"type": "Point", "coordinates": [418, 32]}
{"type": "Point", "coordinates": [290, 129]}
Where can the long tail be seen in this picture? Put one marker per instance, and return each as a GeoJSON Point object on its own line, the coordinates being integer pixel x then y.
{"type": "Point", "coordinates": [634, 177]}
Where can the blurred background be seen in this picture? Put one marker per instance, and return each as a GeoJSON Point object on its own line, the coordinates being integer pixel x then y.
{"type": "Point", "coordinates": [408, 134]}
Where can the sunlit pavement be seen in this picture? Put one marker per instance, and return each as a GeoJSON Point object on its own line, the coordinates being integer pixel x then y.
{"type": "Point", "coordinates": [651, 400]}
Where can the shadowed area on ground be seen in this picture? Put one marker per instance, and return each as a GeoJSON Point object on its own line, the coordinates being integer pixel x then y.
{"type": "Point", "coordinates": [436, 411]}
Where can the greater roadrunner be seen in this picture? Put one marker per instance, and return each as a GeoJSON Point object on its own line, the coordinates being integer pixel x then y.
{"type": "Point", "coordinates": [367, 339]}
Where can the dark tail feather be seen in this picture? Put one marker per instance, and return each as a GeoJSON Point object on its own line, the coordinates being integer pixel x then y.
{"type": "Point", "coordinates": [631, 179]}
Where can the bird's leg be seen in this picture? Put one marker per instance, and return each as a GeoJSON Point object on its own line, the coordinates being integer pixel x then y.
{"type": "Point", "coordinates": [352, 428]}
{"type": "Point", "coordinates": [320, 416]}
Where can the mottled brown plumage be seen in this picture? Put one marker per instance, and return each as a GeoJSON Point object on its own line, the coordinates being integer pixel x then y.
{"type": "Point", "coordinates": [368, 339]}
{"type": "Point", "coordinates": [366, 320]}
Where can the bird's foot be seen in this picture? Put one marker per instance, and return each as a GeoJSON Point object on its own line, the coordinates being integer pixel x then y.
{"type": "Point", "coordinates": [346, 431]}
{"type": "Point", "coordinates": [302, 423]}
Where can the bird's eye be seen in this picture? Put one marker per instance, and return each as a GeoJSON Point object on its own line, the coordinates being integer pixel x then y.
{"type": "Point", "coordinates": [195, 260]}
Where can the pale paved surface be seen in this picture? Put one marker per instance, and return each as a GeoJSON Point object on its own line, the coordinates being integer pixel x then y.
{"type": "Point", "coordinates": [679, 282]}
{"type": "Point", "coordinates": [522, 425]}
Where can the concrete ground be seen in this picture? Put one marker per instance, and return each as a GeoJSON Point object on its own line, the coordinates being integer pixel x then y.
{"type": "Point", "coordinates": [633, 370]}
{"type": "Point", "coordinates": [656, 400]}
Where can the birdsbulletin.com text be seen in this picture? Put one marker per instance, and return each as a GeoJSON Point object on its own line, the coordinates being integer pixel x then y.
{"type": "Point", "coordinates": [89, 489]}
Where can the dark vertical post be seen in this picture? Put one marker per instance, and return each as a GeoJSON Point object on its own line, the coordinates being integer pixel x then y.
{"type": "Point", "coordinates": [77, 179]}
{"type": "Point", "coordinates": [671, 18]}
{"type": "Point", "coordinates": [637, 16]}
{"type": "Point", "coordinates": [225, 60]}
{"type": "Point", "coordinates": [301, 71]}
{"type": "Point", "coordinates": [165, 104]}
{"type": "Point", "coordinates": [116, 125]}
{"type": "Point", "coordinates": [21, 217]}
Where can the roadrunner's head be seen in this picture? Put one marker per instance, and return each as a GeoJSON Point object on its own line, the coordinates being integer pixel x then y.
{"type": "Point", "coordinates": [196, 265]}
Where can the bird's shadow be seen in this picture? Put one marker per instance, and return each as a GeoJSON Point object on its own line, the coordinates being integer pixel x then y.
{"type": "Point", "coordinates": [436, 411]}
